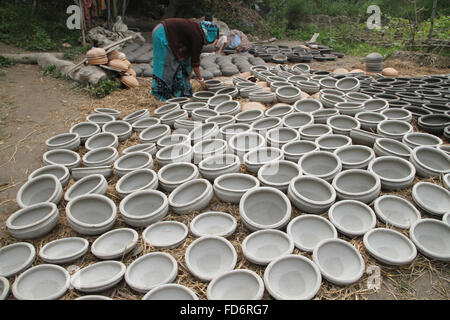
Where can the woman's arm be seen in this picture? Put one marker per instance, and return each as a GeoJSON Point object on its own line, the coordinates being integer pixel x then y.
{"type": "Point", "coordinates": [200, 78]}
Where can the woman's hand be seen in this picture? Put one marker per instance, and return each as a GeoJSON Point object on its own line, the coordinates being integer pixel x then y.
{"type": "Point", "coordinates": [203, 84]}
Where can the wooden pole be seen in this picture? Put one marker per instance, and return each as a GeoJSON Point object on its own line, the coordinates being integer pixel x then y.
{"type": "Point", "coordinates": [433, 14]}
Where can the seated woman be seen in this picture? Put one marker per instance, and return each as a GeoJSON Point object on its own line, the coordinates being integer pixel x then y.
{"type": "Point", "coordinates": [234, 40]}
{"type": "Point", "coordinates": [177, 45]}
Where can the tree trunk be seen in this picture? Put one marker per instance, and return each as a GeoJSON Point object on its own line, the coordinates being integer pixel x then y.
{"type": "Point", "coordinates": [433, 14]}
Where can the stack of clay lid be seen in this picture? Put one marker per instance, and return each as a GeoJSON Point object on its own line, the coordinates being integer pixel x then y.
{"type": "Point", "coordinates": [374, 62]}
{"type": "Point", "coordinates": [118, 65]}
{"type": "Point", "coordinates": [129, 81]}
{"type": "Point", "coordinates": [116, 54]}
{"type": "Point", "coordinates": [390, 72]}
{"type": "Point", "coordinates": [97, 56]}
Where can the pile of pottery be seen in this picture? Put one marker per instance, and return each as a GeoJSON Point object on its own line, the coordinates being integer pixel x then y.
{"type": "Point", "coordinates": [303, 53]}
{"type": "Point", "coordinates": [374, 62]}
{"type": "Point", "coordinates": [115, 61]}
{"type": "Point", "coordinates": [334, 154]}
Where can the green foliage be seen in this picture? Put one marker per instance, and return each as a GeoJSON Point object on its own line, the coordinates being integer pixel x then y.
{"type": "Point", "coordinates": [102, 89]}
{"type": "Point", "coordinates": [6, 62]}
{"type": "Point", "coordinates": [51, 70]}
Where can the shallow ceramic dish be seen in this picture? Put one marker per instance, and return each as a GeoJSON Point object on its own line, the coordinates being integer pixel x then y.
{"type": "Point", "coordinates": [358, 185]}
{"type": "Point", "coordinates": [297, 120]}
{"type": "Point", "coordinates": [170, 117]}
{"type": "Point", "coordinates": [390, 247]}
{"type": "Point", "coordinates": [314, 131]}
{"type": "Point", "coordinates": [242, 143]}
{"type": "Point", "coordinates": [154, 133]}
{"type": "Point", "coordinates": [4, 288]}
{"type": "Point", "coordinates": [295, 150]}
{"type": "Point", "coordinates": [34, 221]}
{"type": "Point", "coordinates": [236, 285]}
{"type": "Point", "coordinates": [396, 211]}
{"type": "Point", "coordinates": [307, 105]}
{"type": "Point", "coordinates": [138, 180]}
{"type": "Point", "coordinates": [43, 188]}
{"type": "Point", "coordinates": [394, 173]}
{"type": "Point", "coordinates": [376, 105]}
{"type": "Point", "coordinates": [292, 277]}
{"type": "Point", "coordinates": [332, 142]}
{"type": "Point", "coordinates": [208, 148]}
{"type": "Point", "coordinates": [99, 276]}
{"type": "Point", "coordinates": [352, 218]}
{"type": "Point", "coordinates": [321, 164]}
{"type": "Point", "coordinates": [256, 158]}
{"type": "Point", "coordinates": [447, 181]}
{"type": "Point", "coordinates": [394, 129]}
{"type": "Point", "coordinates": [278, 174]}
{"type": "Point", "coordinates": [91, 214]}
{"type": "Point", "coordinates": [369, 120]}
{"type": "Point", "coordinates": [339, 262]}
{"type": "Point", "coordinates": [173, 139]}
{"type": "Point", "coordinates": [175, 174]}
{"type": "Point", "coordinates": [418, 139]}
{"type": "Point", "coordinates": [66, 158]}
{"type": "Point", "coordinates": [64, 250]}
{"type": "Point", "coordinates": [92, 184]}
{"type": "Point", "coordinates": [446, 218]}
{"type": "Point", "coordinates": [430, 162]}
{"type": "Point", "coordinates": [101, 140]}
{"type": "Point", "coordinates": [288, 94]}
{"type": "Point", "coordinates": [143, 147]}
{"type": "Point", "coordinates": [165, 234]}
{"type": "Point", "coordinates": [232, 186]}
{"type": "Point", "coordinates": [264, 208]}
{"type": "Point", "coordinates": [142, 208]}
{"type": "Point", "coordinates": [137, 115]}
{"type": "Point", "coordinates": [390, 147]}
{"type": "Point", "coordinates": [431, 238]}
{"type": "Point", "coordinates": [202, 114]}
{"type": "Point", "coordinates": [150, 271]}
{"type": "Point", "coordinates": [215, 166]}
{"type": "Point", "coordinates": [206, 131]}
{"type": "Point", "coordinates": [191, 196]}
{"type": "Point", "coordinates": [15, 258]}
{"type": "Point", "coordinates": [310, 194]}
{"type": "Point", "coordinates": [263, 246]}
{"type": "Point", "coordinates": [278, 137]}
{"type": "Point", "coordinates": [342, 124]}
{"type": "Point", "coordinates": [191, 106]}
{"type": "Point", "coordinates": [42, 282]}
{"type": "Point", "coordinates": [175, 153]}
{"type": "Point", "coordinates": [348, 84]}
{"type": "Point", "coordinates": [145, 123]}
{"type": "Point", "coordinates": [94, 297]}
{"type": "Point", "coordinates": [100, 157]}
{"type": "Point", "coordinates": [166, 108]}
{"type": "Point", "coordinates": [100, 118]}
{"type": "Point", "coordinates": [122, 129]}
{"type": "Point", "coordinates": [263, 125]}
{"type": "Point", "coordinates": [170, 291]}
{"type": "Point", "coordinates": [355, 157]}
{"type": "Point", "coordinates": [218, 224]}
{"type": "Point", "coordinates": [113, 112]}
{"type": "Point", "coordinates": [59, 171]}
{"type": "Point", "coordinates": [79, 173]}
{"type": "Point", "coordinates": [308, 230]}
{"type": "Point", "coordinates": [114, 244]}
{"type": "Point", "coordinates": [209, 257]}
{"type": "Point", "coordinates": [85, 130]}
{"type": "Point", "coordinates": [279, 111]}
{"type": "Point", "coordinates": [398, 114]}
{"type": "Point", "coordinates": [69, 141]}
{"type": "Point", "coordinates": [131, 162]}
{"type": "Point", "coordinates": [431, 198]}
{"type": "Point", "coordinates": [249, 116]}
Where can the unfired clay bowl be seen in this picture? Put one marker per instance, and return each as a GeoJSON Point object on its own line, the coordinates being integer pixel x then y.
{"type": "Point", "coordinates": [173, 139]}
{"type": "Point", "coordinates": [69, 141]}
{"type": "Point", "coordinates": [432, 238]}
{"type": "Point", "coordinates": [165, 234]}
{"type": "Point", "coordinates": [278, 174]}
{"type": "Point", "coordinates": [278, 137]}
{"type": "Point", "coordinates": [34, 221]}
{"type": "Point", "coordinates": [357, 185]}
{"type": "Point", "coordinates": [142, 208]}
{"type": "Point", "coordinates": [64, 250]}
{"type": "Point", "coordinates": [100, 157]}
{"type": "Point", "coordinates": [91, 214]}
{"type": "Point", "coordinates": [339, 262]}
{"type": "Point", "coordinates": [308, 230]}
{"type": "Point", "coordinates": [333, 142]}
{"type": "Point", "coordinates": [263, 246]}
{"type": "Point", "coordinates": [216, 166]}
{"type": "Point", "coordinates": [355, 157]}
{"type": "Point", "coordinates": [430, 162]}
{"type": "Point", "coordinates": [236, 285]}
{"type": "Point", "coordinates": [314, 131]}
{"type": "Point", "coordinates": [213, 224]}
{"type": "Point", "coordinates": [143, 147]}
{"type": "Point", "coordinates": [390, 246]}
{"type": "Point", "coordinates": [394, 173]}
{"type": "Point", "coordinates": [175, 153]}
{"type": "Point", "coordinates": [431, 198]}
{"type": "Point", "coordinates": [101, 140]}
{"type": "Point", "coordinates": [154, 133]}
{"type": "Point", "coordinates": [4, 288]}
{"type": "Point", "coordinates": [114, 244]}
{"type": "Point", "coordinates": [232, 186]}
{"type": "Point", "coordinates": [292, 277]}
{"type": "Point", "coordinates": [191, 196]}
{"type": "Point", "coordinates": [99, 276]}
{"type": "Point", "coordinates": [244, 142]}
{"type": "Point", "coordinates": [209, 257]}
{"type": "Point", "coordinates": [396, 211]}
{"type": "Point", "coordinates": [59, 171]}
{"type": "Point", "coordinates": [85, 130]}
{"type": "Point", "coordinates": [92, 184]}
{"type": "Point", "coordinates": [352, 218]}
{"type": "Point", "coordinates": [263, 125]}
{"type": "Point", "coordinates": [150, 271]}
{"type": "Point", "coordinates": [297, 120]}
{"type": "Point", "coordinates": [67, 158]}
{"type": "Point", "coordinates": [121, 129]}
{"type": "Point", "coordinates": [138, 180]}
{"type": "Point", "coordinates": [15, 258]}
{"type": "Point", "coordinates": [294, 150]}
{"type": "Point", "coordinates": [44, 188]}
{"type": "Point", "coordinates": [264, 208]}
{"type": "Point", "coordinates": [42, 282]}
{"type": "Point", "coordinates": [175, 174]}
{"type": "Point", "coordinates": [258, 157]}
{"type": "Point", "coordinates": [143, 124]}
{"type": "Point", "coordinates": [321, 164]}
{"type": "Point", "coordinates": [203, 132]}
{"type": "Point", "coordinates": [170, 291]}
{"type": "Point", "coordinates": [131, 162]}
{"type": "Point", "coordinates": [208, 148]}
{"type": "Point", "coordinates": [390, 147]}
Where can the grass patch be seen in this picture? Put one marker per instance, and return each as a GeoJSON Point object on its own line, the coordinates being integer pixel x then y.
{"type": "Point", "coordinates": [6, 62]}
{"type": "Point", "coordinates": [52, 71]}
{"type": "Point", "coordinates": [103, 88]}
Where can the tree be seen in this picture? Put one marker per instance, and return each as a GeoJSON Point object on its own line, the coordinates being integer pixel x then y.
{"type": "Point", "coordinates": [433, 14]}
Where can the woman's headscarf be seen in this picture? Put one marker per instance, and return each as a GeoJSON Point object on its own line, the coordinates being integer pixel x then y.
{"type": "Point", "coordinates": [211, 31]}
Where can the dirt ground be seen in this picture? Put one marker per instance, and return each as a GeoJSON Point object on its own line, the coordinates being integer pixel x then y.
{"type": "Point", "coordinates": [34, 107]}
